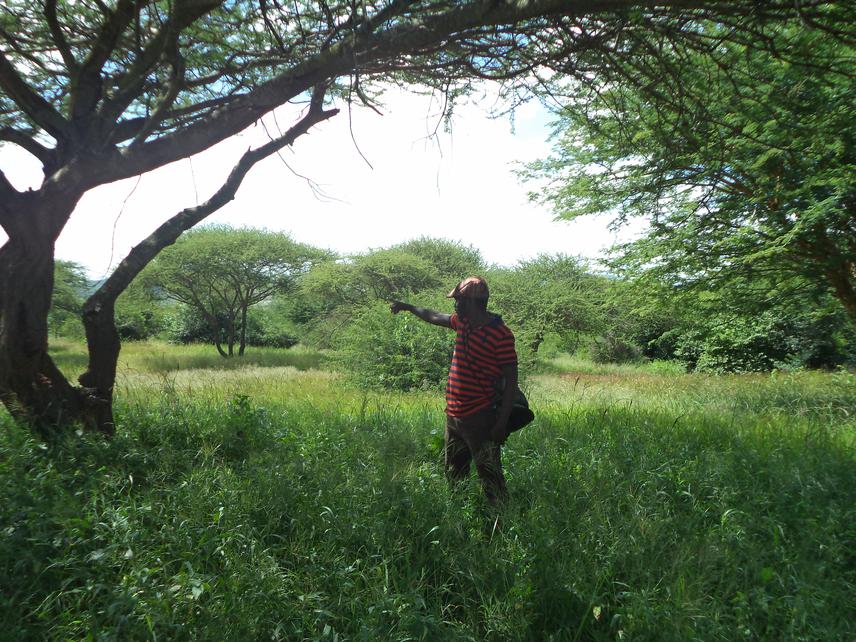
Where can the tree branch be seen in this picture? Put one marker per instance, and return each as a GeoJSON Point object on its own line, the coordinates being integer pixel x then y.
{"type": "Point", "coordinates": [132, 81]}
{"type": "Point", "coordinates": [9, 198]}
{"type": "Point", "coordinates": [127, 129]}
{"type": "Point", "coordinates": [28, 101]}
{"type": "Point", "coordinates": [7, 193]}
{"type": "Point", "coordinates": [339, 59]}
{"type": "Point", "coordinates": [168, 98]}
{"type": "Point", "coordinates": [87, 83]}
{"type": "Point", "coordinates": [169, 232]}
{"type": "Point", "coordinates": [98, 311]}
{"type": "Point", "coordinates": [42, 153]}
{"type": "Point", "coordinates": [59, 38]}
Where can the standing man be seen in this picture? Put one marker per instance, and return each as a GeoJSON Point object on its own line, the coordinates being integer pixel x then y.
{"type": "Point", "coordinates": [484, 365]}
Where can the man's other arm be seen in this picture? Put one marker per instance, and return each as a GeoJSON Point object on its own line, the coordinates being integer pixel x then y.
{"type": "Point", "coordinates": [429, 316]}
{"type": "Point", "coordinates": [499, 432]}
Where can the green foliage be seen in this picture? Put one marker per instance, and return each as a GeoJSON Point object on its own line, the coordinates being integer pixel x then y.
{"type": "Point", "coordinates": [71, 286]}
{"type": "Point", "coordinates": [265, 327]}
{"type": "Point", "coordinates": [613, 349]}
{"type": "Point", "coordinates": [186, 325]}
{"type": "Point", "coordinates": [398, 352]}
{"type": "Point", "coordinates": [377, 275]}
{"type": "Point", "coordinates": [451, 260]}
{"type": "Point", "coordinates": [333, 296]}
{"type": "Point", "coordinates": [750, 325]}
{"type": "Point", "coordinates": [742, 161]}
{"type": "Point", "coordinates": [230, 507]}
{"type": "Point", "coordinates": [220, 273]}
{"type": "Point", "coordinates": [268, 325]}
{"type": "Point", "coordinates": [549, 294]}
{"type": "Point", "coordinates": [139, 315]}
{"type": "Point", "coordinates": [767, 341]}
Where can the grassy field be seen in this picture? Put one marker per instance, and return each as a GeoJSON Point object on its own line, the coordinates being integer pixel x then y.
{"type": "Point", "coordinates": [268, 499]}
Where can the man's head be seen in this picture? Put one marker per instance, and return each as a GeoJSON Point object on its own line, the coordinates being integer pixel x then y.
{"type": "Point", "coordinates": [470, 296]}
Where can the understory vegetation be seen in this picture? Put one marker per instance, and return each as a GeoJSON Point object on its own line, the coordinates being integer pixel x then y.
{"type": "Point", "coordinates": [555, 304]}
{"type": "Point", "coordinates": [276, 500]}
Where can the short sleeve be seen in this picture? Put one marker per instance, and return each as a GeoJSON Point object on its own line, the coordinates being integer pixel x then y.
{"type": "Point", "coordinates": [506, 354]}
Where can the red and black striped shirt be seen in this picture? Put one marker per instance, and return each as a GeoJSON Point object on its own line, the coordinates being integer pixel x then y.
{"type": "Point", "coordinates": [477, 363]}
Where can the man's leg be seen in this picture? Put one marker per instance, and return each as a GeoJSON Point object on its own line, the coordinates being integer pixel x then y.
{"type": "Point", "coordinates": [456, 453]}
{"type": "Point", "coordinates": [487, 455]}
{"type": "Point", "coordinates": [489, 466]}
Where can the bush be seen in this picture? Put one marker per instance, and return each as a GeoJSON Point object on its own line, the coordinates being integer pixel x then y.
{"type": "Point", "coordinates": [399, 352]}
{"type": "Point", "coordinates": [767, 342]}
{"type": "Point", "coordinates": [613, 349]}
{"type": "Point", "coordinates": [139, 315]}
{"type": "Point", "coordinates": [186, 325]}
{"type": "Point", "coordinates": [138, 325]}
{"type": "Point", "coordinates": [266, 327]}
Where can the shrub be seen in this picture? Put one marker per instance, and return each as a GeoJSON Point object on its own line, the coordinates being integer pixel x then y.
{"type": "Point", "coordinates": [400, 352]}
{"type": "Point", "coordinates": [766, 342]}
{"type": "Point", "coordinates": [268, 327]}
{"type": "Point", "coordinates": [186, 325]}
{"type": "Point", "coordinates": [613, 349]}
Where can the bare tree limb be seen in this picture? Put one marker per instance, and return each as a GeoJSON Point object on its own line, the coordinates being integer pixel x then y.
{"type": "Point", "coordinates": [42, 153]}
{"type": "Point", "coordinates": [31, 103]}
{"type": "Point", "coordinates": [7, 191]}
{"type": "Point", "coordinates": [87, 85]}
{"type": "Point", "coordinates": [59, 37]}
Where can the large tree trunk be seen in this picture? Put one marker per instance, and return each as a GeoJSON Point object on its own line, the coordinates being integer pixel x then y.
{"type": "Point", "coordinates": [104, 344]}
{"type": "Point", "coordinates": [31, 386]}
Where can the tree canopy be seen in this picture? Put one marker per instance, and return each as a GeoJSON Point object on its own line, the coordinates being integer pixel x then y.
{"type": "Point", "coordinates": [744, 162]}
{"type": "Point", "coordinates": [547, 294]}
{"type": "Point", "coordinates": [222, 272]}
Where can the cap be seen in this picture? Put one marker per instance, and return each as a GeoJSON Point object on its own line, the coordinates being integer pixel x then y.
{"type": "Point", "coordinates": [473, 287]}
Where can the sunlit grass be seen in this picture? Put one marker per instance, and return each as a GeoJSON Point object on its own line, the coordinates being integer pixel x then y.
{"type": "Point", "coordinates": [161, 357]}
{"type": "Point", "coordinates": [281, 503]}
{"type": "Point", "coordinates": [819, 397]}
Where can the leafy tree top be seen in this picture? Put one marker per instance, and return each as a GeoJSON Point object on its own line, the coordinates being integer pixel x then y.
{"type": "Point", "coordinates": [245, 266]}
{"type": "Point", "coordinates": [140, 83]}
{"type": "Point", "coordinates": [742, 159]}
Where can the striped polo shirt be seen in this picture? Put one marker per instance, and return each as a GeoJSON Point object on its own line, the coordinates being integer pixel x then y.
{"type": "Point", "coordinates": [477, 363]}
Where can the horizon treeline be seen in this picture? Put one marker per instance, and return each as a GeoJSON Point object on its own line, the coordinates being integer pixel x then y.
{"type": "Point", "coordinates": [238, 288]}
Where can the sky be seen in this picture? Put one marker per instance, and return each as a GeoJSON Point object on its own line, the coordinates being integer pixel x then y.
{"type": "Point", "coordinates": [384, 180]}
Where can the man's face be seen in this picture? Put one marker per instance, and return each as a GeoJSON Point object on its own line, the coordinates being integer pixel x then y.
{"type": "Point", "coordinates": [461, 308]}
{"type": "Point", "coordinates": [464, 307]}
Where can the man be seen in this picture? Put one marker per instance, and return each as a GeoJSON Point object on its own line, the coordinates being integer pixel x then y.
{"type": "Point", "coordinates": [484, 359]}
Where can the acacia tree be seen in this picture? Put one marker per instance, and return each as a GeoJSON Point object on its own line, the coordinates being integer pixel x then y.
{"type": "Point", "coordinates": [101, 91]}
{"type": "Point", "coordinates": [222, 272]}
{"type": "Point", "coordinates": [742, 158]}
{"type": "Point", "coordinates": [452, 260]}
{"type": "Point", "coordinates": [548, 294]}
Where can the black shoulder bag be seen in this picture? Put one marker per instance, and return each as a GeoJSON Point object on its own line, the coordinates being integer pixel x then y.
{"type": "Point", "coordinates": [521, 414]}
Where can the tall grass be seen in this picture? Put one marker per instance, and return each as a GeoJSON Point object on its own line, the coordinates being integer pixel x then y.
{"type": "Point", "coordinates": [160, 357]}
{"type": "Point", "coordinates": [274, 503]}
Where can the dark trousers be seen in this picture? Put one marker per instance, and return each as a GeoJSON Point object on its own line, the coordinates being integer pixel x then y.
{"type": "Point", "coordinates": [468, 439]}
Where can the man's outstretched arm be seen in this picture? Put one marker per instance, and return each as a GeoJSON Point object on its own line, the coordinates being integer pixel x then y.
{"type": "Point", "coordinates": [429, 316]}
